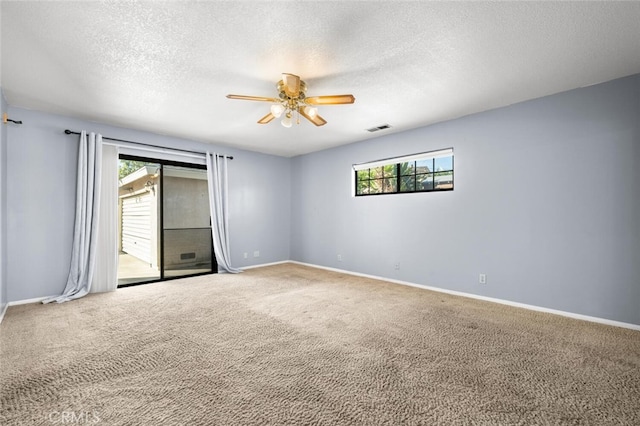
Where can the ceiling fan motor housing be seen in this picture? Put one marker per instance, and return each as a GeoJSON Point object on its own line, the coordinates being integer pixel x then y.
{"type": "Point", "coordinates": [283, 95]}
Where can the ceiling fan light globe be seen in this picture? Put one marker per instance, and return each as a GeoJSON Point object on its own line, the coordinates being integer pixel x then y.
{"type": "Point", "coordinates": [277, 110]}
{"type": "Point", "coordinates": [286, 121]}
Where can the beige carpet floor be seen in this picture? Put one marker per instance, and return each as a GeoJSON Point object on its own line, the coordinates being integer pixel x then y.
{"type": "Point", "coordinates": [292, 345]}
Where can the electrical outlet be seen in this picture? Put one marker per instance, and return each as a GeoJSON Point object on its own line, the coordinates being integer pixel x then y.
{"type": "Point", "coordinates": [246, 255]}
{"type": "Point", "coordinates": [482, 279]}
{"type": "Point", "coordinates": [339, 258]}
{"type": "Point", "coordinates": [397, 266]}
{"type": "Point", "coordinates": [256, 253]}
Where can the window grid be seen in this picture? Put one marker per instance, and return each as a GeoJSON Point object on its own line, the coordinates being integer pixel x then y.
{"type": "Point", "coordinates": [422, 175]}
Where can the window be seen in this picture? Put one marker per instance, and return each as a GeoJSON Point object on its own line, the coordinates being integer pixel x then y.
{"type": "Point", "coordinates": [425, 172]}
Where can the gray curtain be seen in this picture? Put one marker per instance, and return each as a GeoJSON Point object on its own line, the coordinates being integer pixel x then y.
{"type": "Point", "coordinates": [87, 208]}
{"type": "Point", "coordinates": [218, 204]}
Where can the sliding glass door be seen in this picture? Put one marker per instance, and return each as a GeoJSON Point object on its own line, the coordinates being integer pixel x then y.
{"type": "Point", "coordinates": [164, 229]}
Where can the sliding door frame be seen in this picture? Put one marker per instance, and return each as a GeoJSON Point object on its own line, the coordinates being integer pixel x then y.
{"type": "Point", "coordinates": [162, 163]}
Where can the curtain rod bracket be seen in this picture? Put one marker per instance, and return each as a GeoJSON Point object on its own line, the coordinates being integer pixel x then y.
{"type": "Point", "coordinates": [6, 119]}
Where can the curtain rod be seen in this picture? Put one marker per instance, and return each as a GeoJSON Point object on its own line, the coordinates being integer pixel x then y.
{"type": "Point", "coordinates": [70, 132]}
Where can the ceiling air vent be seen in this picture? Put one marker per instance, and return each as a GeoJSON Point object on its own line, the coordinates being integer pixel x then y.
{"type": "Point", "coordinates": [382, 127]}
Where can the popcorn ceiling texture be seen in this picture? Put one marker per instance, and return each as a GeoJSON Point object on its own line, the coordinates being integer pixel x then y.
{"type": "Point", "coordinates": [166, 67]}
{"type": "Point", "coordinates": [294, 345]}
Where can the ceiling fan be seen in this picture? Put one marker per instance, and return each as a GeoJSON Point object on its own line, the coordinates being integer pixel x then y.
{"type": "Point", "coordinates": [292, 99]}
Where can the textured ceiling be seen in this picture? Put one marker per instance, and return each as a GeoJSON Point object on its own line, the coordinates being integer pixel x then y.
{"type": "Point", "coordinates": [166, 67]}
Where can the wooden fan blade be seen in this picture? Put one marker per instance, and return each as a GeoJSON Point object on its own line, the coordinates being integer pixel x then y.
{"type": "Point", "coordinates": [316, 119]}
{"type": "Point", "coordinates": [266, 119]}
{"type": "Point", "coordinates": [253, 98]}
{"type": "Point", "coordinates": [330, 100]}
{"type": "Point", "coordinates": [291, 85]}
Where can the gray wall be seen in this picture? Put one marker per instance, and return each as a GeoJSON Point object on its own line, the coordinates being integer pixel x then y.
{"type": "Point", "coordinates": [546, 203]}
{"type": "Point", "coordinates": [3, 206]}
{"type": "Point", "coordinates": [41, 169]}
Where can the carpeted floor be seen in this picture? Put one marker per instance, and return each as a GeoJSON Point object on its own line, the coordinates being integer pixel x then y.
{"type": "Point", "coordinates": [292, 345]}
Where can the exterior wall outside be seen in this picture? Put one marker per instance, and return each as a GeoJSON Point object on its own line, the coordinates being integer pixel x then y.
{"type": "Point", "coordinates": [545, 204]}
{"type": "Point", "coordinates": [186, 203]}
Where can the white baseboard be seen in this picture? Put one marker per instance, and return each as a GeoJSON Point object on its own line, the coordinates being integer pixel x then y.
{"type": "Point", "coordinates": [26, 301]}
{"type": "Point", "coordinates": [265, 264]}
{"type": "Point", "coordinates": [487, 299]}
{"type": "Point", "coordinates": [2, 311]}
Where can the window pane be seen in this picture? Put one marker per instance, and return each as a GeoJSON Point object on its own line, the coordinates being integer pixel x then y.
{"type": "Point", "coordinates": [424, 166]}
{"type": "Point", "coordinates": [375, 173]}
{"type": "Point", "coordinates": [363, 174]}
{"type": "Point", "coordinates": [187, 244]}
{"type": "Point", "coordinates": [362, 187]}
{"type": "Point", "coordinates": [408, 184]}
{"type": "Point", "coordinates": [139, 239]}
{"type": "Point", "coordinates": [443, 163]}
{"type": "Point", "coordinates": [424, 182]}
{"type": "Point", "coordinates": [407, 168]}
{"type": "Point", "coordinates": [444, 180]}
{"type": "Point", "coordinates": [375, 186]}
{"type": "Point", "coordinates": [390, 170]}
{"type": "Point", "coordinates": [389, 185]}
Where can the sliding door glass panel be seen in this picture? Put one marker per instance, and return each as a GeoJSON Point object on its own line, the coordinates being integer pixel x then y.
{"type": "Point", "coordinates": [139, 222]}
{"type": "Point", "coordinates": [187, 242]}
